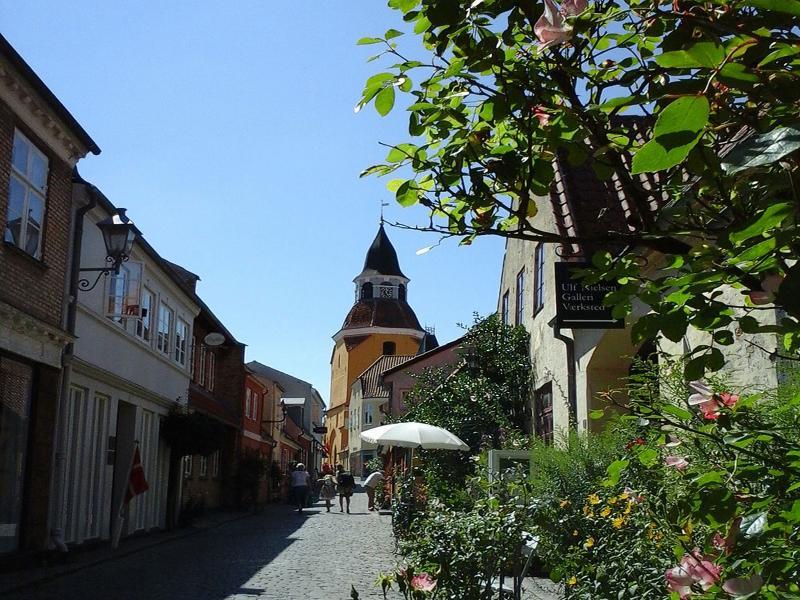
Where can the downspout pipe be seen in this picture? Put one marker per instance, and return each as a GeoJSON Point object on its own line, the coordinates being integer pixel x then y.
{"type": "Point", "coordinates": [572, 386]}
{"type": "Point", "coordinates": [56, 539]}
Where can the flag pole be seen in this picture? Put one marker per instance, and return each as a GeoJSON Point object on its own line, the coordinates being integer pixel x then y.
{"type": "Point", "coordinates": [119, 519]}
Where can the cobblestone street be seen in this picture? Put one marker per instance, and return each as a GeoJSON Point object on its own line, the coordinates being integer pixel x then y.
{"type": "Point", "coordinates": [275, 555]}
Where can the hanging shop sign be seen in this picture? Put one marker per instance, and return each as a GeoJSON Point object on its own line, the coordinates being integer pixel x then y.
{"type": "Point", "coordinates": [580, 306]}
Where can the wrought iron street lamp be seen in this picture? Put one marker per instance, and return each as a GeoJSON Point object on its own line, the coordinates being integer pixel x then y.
{"type": "Point", "coordinates": [119, 233]}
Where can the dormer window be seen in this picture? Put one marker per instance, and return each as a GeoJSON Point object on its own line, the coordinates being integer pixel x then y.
{"type": "Point", "coordinates": [366, 291]}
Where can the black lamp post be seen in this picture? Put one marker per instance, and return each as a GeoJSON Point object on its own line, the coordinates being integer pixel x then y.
{"type": "Point", "coordinates": [119, 233]}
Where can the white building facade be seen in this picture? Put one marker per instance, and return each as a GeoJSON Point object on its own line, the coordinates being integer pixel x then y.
{"type": "Point", "coordinates": [573, 367]}
{"type": "Point", "coordinates": [131, 365]}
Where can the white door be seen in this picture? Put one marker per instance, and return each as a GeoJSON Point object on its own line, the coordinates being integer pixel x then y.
{"type": "Point", "coordinates": [89, 423]}
{"type": "Point", "coordinates": [147, 510]}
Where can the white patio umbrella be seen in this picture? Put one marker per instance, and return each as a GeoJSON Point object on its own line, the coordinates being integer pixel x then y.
{"type": "Point", "coordinates": [414, 435]}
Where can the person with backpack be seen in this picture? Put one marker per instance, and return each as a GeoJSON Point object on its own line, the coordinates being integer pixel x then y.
{"type": "Point", "coordinates": [327, 490]}
{"type": "Point", "coordinates": [346, 483]}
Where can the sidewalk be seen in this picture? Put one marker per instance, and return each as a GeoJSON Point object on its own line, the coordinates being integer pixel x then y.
{"type": "Point", "coordinates": [80, 559]}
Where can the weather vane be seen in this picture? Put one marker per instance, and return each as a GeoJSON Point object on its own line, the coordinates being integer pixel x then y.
{"type": "Point", "coordinates": [382, 205]}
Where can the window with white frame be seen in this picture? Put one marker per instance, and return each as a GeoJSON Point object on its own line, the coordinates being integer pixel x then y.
{"type": "Point", "coordinates": [203, 466]}
{"type": "Point", "coordinates": [504, 309]}
{"type": "Point", "coordinates": [181, 339]}
{"type": "Point", "coordinates": [248, 401]}
{"type": "Point", "coordinates": [538, 279]}
{"type": "Point", "coordinates": [215, 464]}
{"type": "Point", "coordinates": [256, 404]}
{"type": "Point", "coordinates": [124, 293]}
{"type": "Point", "coordinates": [144, 325]}
{"type": "Point", "coordinates": [164, 328]}
{"type": "Point", "coordinates": [201, 378]}
{"type": "Point", "coordinates": [520, 307]}
{"type": "Point", "coordinates": [368, 414]}
{"type": "Point", "coordinates": [187, 466]}
{"type": "Point", "coordinates": [211, 375]}
{"type": "Point", "coordinates": [27, 190]}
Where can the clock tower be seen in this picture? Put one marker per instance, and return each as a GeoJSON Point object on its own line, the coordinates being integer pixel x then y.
{"type": "Point", "coordinates": [380, 322]}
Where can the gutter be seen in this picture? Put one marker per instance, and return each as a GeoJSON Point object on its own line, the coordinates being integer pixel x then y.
{"type": "Point", "coordinates": [56, 537]}
{"type": "Point", "coordinates": [572, 386]}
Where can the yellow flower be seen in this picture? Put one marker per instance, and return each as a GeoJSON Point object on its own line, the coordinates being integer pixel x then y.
{"type": "Point", "coordinates": [594, 499]}
{"type": "Point", "coordinates": [688, 528]}
{"type": "Point", "coordinates": [572, 580]}
{"type": "Point", "coordinates": [605, 512]}
{"type": "Point", "coordinates": [612, 500]}
{"type": "Point", "coordinates": [588, 543]}
{"type": "Point", "coordinates": [575, 533]}
{"type": "Point", "coordinates": [564, 503]}
{"type": "Point", "coordinates": [618, 522]}
{"type": "Point", "coordinates": [627, 510]}
{"type": "Point", "coordinates": [624, 495]}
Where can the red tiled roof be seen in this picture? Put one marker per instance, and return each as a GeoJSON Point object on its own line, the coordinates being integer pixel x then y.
{"type": "Point", "coordinates": [371, 378]}
{"type": "Point", "coordinates": [377, 312]}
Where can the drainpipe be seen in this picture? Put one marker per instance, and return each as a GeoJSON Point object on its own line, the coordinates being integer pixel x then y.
{"type": "Point", "coordinates": [56, 539]}
{"type": "Point", "coordinates": [572, 386]}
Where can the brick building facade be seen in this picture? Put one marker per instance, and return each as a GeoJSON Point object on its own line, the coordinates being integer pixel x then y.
{"type": "Point", "coordinates": [40, 144]}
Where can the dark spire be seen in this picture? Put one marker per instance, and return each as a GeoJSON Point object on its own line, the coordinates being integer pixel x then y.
{"type": "Point", "coordinates": [381, 257]}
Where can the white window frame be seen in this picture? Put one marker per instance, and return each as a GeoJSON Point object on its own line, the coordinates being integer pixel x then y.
{"type": "Point", "coordinates": [538, 278]}
{"type": "Point", "coordinates": [368, 414]}
{"type": "Point", "coordinates": [192, 357]}
{"type": "Point", "coordinates": [203, 467]}
{"type": "Point", "coordinates": [24, 179]}
{"type": "Point", "coordinates": [201, 378]}
{"type": "Point", "coordinates": [519, 312]}
{"type": "Point", "coordinates": [215, 464]}
{"type": "Point", "coordinates": [144, 324]}
{"type": "Point", "coordinates": [181, 340]}
{"type": "Point", "coordinates": [248, 400]}
{"type": "Point", "coordinates": [187, 466]}
{"type": "Point", "coordinates": [164, 329]}
{"type": "Point", "coordinates": [210, 376]}
{"type": "Point", "coordinates": [126, 303]}
{"type": "Point", "coordinates": [254, 408]}
{"type": "Point", "coordinates": [504, 316]}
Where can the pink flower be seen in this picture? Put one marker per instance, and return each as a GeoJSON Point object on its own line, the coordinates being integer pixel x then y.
{"type": "Point", "coordinates": [679, 581]}
{"type": "Point", "coordinates": [541, 115]}
{"type": "Point", "coordinates": [700, 567]}
{"type": "Point", "coordinates": [423, 582]}
{"type": "Point", "coordinates": [759, 298]}
{"type": "Point", "coordinates": [743, 586]}
{"type": "Point", "coordinates": [695, 569]}
{"type": "Point", "coordinates": [552, 28]}
{"type": "Point", "coordinates": [709, 402]}
{"type": "Point", "coordinates": [570, 8]}
{"type": "Point", "coordinates": [677, 462]}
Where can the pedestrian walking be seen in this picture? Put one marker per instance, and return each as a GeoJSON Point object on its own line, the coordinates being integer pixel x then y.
{"type": "Point", "coordinates": [300, 484]}
{"type": "Point", "coordinates": [370, 484]}
{"type": "Point", "coordinates": [346, 483]}
{"type": "Point", "coordinates": [327, 490]}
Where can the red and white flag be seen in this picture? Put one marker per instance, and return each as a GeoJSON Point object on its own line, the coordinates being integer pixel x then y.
{"type": "Point", "coordinates": [137, 484]}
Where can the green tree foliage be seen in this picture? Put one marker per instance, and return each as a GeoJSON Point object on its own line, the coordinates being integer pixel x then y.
{"type": "Point", "coordinates": [483, 400]}
{"type": "Point", "coordinates": [690, 106]}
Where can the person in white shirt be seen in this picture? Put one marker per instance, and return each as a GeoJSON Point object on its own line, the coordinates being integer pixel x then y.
{"type": "Point", "coordinates": [370, 484]}
{"type": "Point", "coordinates": [300, 484]}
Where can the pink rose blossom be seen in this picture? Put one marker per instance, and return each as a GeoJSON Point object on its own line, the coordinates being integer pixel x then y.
{"type": "Point", "coordinates": [700, 567]}
{"type": "Point", "coordinates": [695, 569]}
{"type": "Point", "coordinates": [541, 115]}
{"type": "Point", "coordinates": [423, 582]}
{"type": "Point", "coordinates": [679, 581]}
{"type": "Point", "coordinates": [551, 28]}
{"type": "Point", "coordinates": [709, 402]}
{"type": "Point", "coordinates": [677, 462]}
{"type": "Point", "coordinates": [743, 586]}
{"type": "Point", "coordinates": [570, 8]}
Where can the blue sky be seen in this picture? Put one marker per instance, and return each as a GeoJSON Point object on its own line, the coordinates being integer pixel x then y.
{"type": "Point", "coordinates": [230, 136]}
